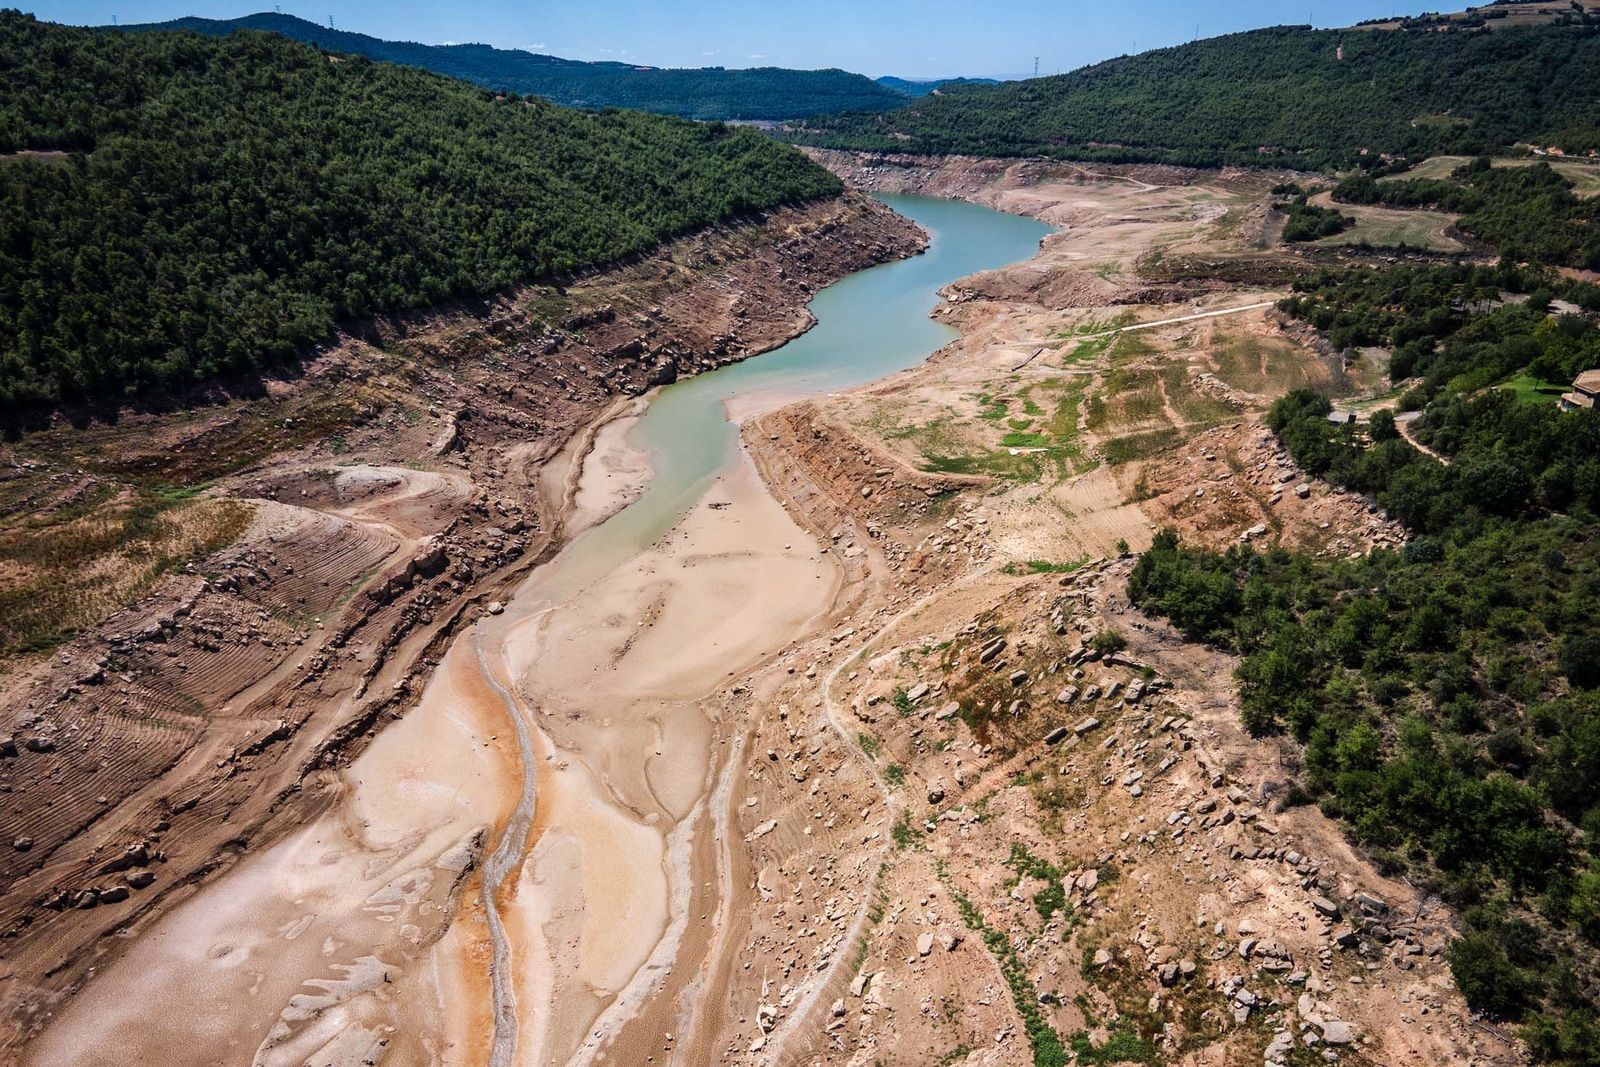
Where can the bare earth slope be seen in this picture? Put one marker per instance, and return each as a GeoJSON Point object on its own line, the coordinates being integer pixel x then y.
{"type": "Point", "coordinates": [389, 492]}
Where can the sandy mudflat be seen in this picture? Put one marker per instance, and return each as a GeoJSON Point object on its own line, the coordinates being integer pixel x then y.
{"type": "Point", "coordinates": [322, 943]}
{"type": "Point", "coordinates": [613, 474]}
{"type": "Point", "coordinates": [616, 675]}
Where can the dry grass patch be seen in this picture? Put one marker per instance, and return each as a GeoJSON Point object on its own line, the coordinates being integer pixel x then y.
{"type": "Point", "coordinates": [63, 571]}
{"type": "Point", "coordinates": [1264, 366]}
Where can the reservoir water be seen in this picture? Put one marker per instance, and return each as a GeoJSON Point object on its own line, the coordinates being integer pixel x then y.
{"type": "Point", "coordinates": [869, 325]}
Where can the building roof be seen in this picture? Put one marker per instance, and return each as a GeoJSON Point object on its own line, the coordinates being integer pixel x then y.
{"type": "Point", "coordinates": [1587, 382]}
{"type": "Point", "coordinates": [1578, 400]}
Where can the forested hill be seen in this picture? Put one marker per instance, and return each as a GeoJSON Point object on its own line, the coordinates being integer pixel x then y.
{"type": "Point", "coordinates": [1271, 97]}
{"type": "Point", "coordinates": [173, 206]}
{"type": "Point", "coordinates": [705, 93]}
{"type": "Point", "coordinates": [914, 87]}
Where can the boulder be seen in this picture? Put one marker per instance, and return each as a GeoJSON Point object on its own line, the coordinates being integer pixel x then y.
{"type": "Point", "coordinates": [1335, 1032]}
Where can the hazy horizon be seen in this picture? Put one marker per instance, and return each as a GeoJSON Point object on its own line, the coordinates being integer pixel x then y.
{"type": "Point", "coordinates": [932, 39]}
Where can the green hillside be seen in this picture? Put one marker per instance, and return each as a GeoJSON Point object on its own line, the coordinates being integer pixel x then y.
{"type": "Point", "coordinates": [914, 87]}
{"type": "Point", "coordinates": [1270, 97]}
{"type": "Point", "coordinates": [213, 205]}
{"type": "Point", "coordinates": [704, 93]}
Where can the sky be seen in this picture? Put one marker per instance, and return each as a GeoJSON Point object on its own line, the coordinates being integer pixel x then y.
{"type": "Point", "coordinates": [910, 38]}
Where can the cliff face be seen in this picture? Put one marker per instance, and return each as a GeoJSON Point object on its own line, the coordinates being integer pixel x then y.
{"type": "Point", "coordinates": [389, 492]}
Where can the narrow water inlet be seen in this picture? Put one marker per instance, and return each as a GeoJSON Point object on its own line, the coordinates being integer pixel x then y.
{"type": "Point", "coordinates": [869, 325]}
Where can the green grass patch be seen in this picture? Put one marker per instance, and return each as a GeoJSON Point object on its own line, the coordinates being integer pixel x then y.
{"type": "Point", "coordinates": [1050, 566]}
{"type": "Point", "coordinates": [991, 409]}
{"type": "Point", "coordinates": [1126, 449]}
{"type": "Point", "coordinates": [1048, 1049]}
{"type": "Point", "coordinates": [1085, 351]}
{"type": "Point", "coordinates": [1125, 1046]}
{"type": "Point", "coordinates": [1532, 390]}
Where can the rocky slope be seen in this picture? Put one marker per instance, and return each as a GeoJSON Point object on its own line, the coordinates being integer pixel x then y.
{"type": "Point", "coordinates": [969, 831]}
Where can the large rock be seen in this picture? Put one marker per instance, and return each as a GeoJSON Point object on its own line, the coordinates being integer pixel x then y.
{"type": "Point", "coordinates": [1335, 1032]}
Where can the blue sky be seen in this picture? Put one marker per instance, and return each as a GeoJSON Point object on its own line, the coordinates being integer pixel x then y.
{"type": "Point", "coordinates": [912, 38]}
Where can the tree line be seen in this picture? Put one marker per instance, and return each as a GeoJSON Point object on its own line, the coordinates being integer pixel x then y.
{"type": "Point", "coordinates": [217, 205]}
{"type": "Point", "coordinates": [1529, 213]}
{"type": "Point", "coordinates": [1446, 694]}
{"type": "Point", "coordinates": [1283, 96]}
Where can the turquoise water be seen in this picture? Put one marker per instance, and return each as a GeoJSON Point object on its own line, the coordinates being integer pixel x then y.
{"type": "Point", "coordinates": [869, 325]}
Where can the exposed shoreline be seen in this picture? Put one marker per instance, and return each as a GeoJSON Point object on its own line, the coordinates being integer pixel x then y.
{"type": "Point", "coordinates": [749, 847]}
{"type": "Point", "coordinates": [858, 230]}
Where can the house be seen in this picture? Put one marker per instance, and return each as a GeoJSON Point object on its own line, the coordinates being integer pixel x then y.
{"type": "Point", "coordinates": [1342, 418]}
{"type": "Point", "coordinates": [1585, 390]}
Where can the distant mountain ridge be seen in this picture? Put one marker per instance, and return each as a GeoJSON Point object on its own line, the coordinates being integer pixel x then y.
{"type": "Point", "coordinates": [919, 87]}
{"type": "Point", "coordinates": [708, 93]}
